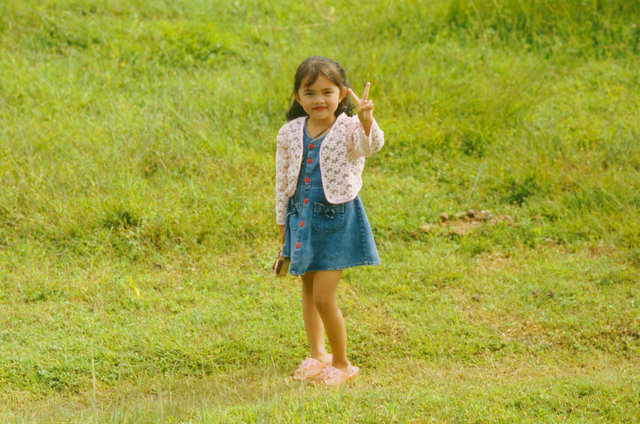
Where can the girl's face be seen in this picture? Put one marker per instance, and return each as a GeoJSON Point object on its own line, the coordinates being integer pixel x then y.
{"type": "Point", "coordinates": [320, 99]}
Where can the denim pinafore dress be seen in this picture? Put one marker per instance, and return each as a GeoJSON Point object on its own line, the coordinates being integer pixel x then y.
{"type": "Point", "coordinates": [320, 236]}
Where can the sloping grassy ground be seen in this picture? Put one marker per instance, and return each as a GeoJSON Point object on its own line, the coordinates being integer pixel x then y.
{"type": "Point", "coordinates": [137, 224]}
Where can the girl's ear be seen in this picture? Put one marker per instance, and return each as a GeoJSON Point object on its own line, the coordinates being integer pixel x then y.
{"type": "Point", "coordinates": [343, 93]}
{"type": "Point", "coordinates": [297, 97]}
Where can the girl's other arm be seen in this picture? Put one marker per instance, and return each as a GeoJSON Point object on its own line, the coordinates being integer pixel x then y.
{"type": "Point", "coordinates": [282, 164]}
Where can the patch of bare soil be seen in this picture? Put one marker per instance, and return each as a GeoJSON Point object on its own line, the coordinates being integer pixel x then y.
{"type": "Point", "coordinates": [465, 222]}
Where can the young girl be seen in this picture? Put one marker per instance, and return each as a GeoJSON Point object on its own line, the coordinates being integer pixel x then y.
{"type": "Point", "coordinates": [319, 163]}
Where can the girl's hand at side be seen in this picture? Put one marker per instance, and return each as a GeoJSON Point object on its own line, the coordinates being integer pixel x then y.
{"type": "Point", "coordinates": [281, 227]}
{"type": "Point", "coordinates": [364, 106]}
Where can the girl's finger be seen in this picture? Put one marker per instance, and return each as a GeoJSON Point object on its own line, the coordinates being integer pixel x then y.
{"type": "Point", "coordinates": [354, 96]}
{"type": "Point", "coordinates": [366, 91]}
{"type": "Point", "coordinates": [367, 111]}
{"type": "Point", "coordinates": [368, 104]}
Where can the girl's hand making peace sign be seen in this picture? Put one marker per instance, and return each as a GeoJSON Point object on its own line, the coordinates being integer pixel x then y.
{"type": "Point", "coordinates": [364, 108]}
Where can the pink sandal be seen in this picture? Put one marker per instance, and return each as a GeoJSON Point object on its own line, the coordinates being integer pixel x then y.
{"type": "Point", "coordinates": [331, 376]}
{"type": "Point", "coordinates": [310, 368]}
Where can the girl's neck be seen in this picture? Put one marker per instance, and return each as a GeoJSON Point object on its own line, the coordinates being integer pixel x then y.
{"type": "Point", "coordinates": [317, 128]}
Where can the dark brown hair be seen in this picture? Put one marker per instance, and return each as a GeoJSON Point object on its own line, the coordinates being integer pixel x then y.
{"type": "Point", "coordinates": [311, 67]}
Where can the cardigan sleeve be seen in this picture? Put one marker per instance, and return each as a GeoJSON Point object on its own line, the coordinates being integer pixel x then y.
{"type": "Point", "coordinates": [282, 164]}
{"type": "Point", "coordinates": [364, 145]}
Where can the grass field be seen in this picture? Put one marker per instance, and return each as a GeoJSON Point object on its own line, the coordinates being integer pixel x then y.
{"type": "Point", "coordinates": [137, 226]}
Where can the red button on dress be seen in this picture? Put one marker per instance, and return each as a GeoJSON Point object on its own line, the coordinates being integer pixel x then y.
{"type": "Point", "coordinates": [310, 161]}
{"type": "Point", "coordinates": [306, 201]}
{"type": "Point", "coordinates": [302, 223]}
{"type": "Point", "coordinates": [311, 146]}
{"type": "Point", "coordinates": [307, 180]}
{"type": "Point", "coordinates": [297, 245]}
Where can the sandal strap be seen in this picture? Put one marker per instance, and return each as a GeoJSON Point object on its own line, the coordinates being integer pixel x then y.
{"type": "Point", "coordinates": [332, 376]}
{"type": "Point", "coordinates": [309, 368]}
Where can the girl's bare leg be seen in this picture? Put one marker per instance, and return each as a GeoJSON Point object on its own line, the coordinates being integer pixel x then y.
{"type": "Point", "coordinates": [325, 284]}
{"type": "Point", "coordinates": [312, 321]}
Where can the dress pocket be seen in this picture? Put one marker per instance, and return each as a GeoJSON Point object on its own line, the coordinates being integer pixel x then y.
{"type": "Point", "coordinates": [328, 218]}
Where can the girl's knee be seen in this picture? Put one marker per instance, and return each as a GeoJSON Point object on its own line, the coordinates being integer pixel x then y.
{"type": "Point", "coordinates": [323, 302]}
{"type": "Point", "coordinates": [324, 290]}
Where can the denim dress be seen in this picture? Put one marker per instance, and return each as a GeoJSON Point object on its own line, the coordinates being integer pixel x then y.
{"type": "Point", "coordinates": [320, 236]}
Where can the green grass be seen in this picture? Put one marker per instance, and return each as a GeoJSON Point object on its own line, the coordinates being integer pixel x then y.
{"type": "Point", "coordinates": [137, 143]}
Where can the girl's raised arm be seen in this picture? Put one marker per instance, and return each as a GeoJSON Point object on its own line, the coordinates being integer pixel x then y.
{"type": "Point", "coordinates": [364, 108]}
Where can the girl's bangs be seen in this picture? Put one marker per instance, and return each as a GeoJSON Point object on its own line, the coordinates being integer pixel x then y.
{"type": "Point", "coordinates": [324, 69]}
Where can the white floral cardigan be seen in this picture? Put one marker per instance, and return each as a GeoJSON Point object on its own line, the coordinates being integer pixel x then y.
{"type": "Point", "coordinates": [342, 156]}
